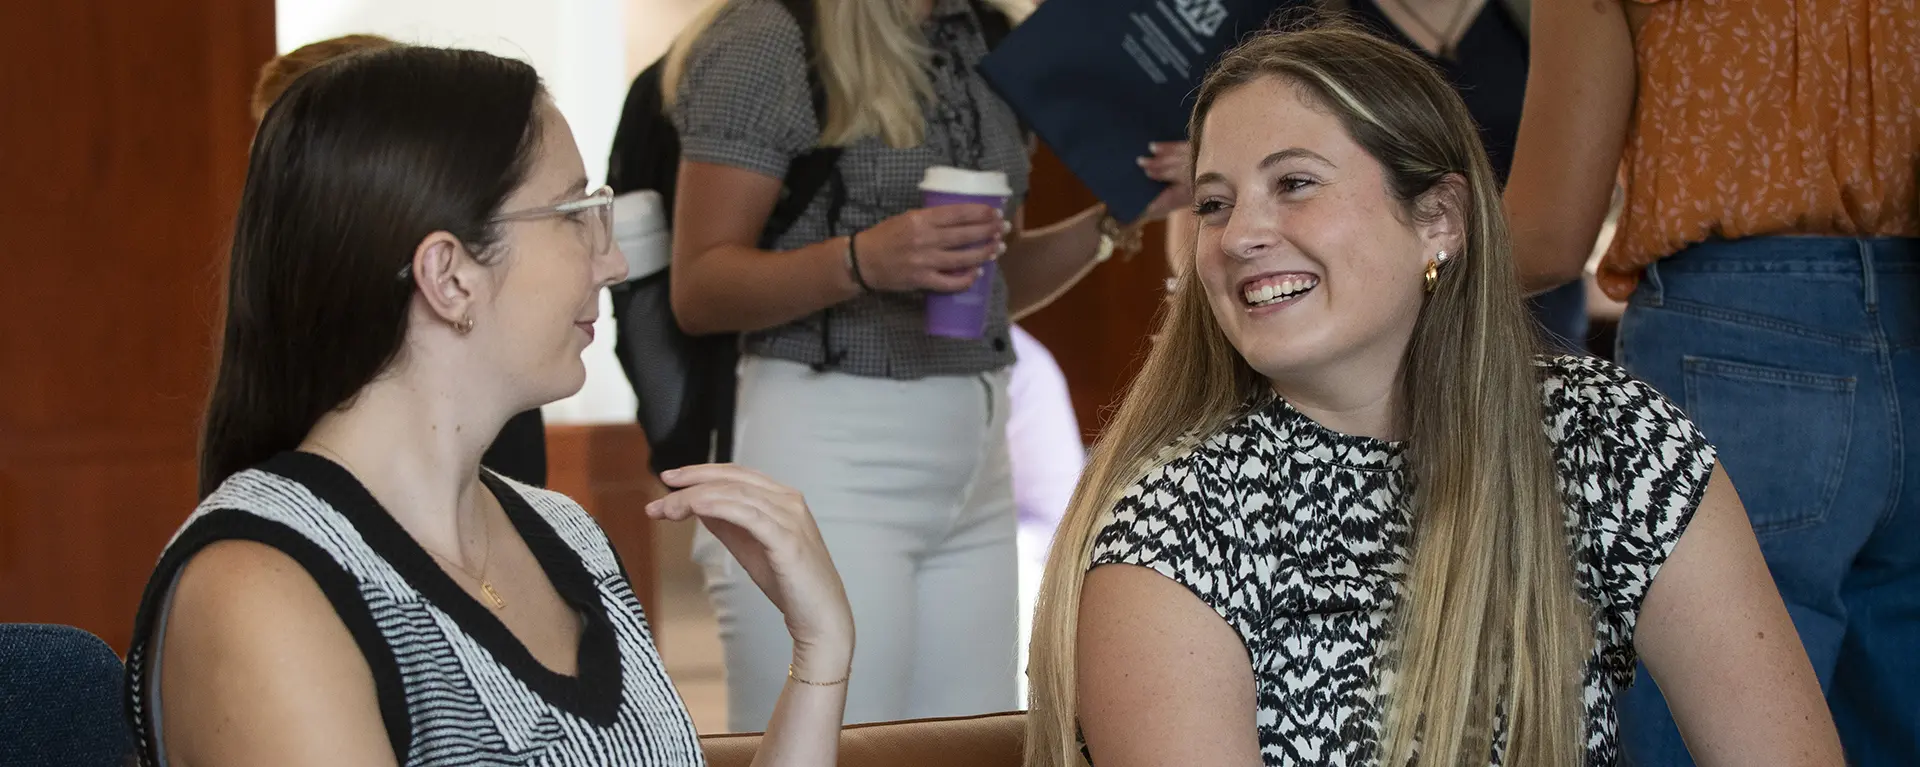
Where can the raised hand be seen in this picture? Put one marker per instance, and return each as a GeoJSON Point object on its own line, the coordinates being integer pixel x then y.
{"type": "Point", "coordinates": [1171, 163]}
{"type": "Point", "coordinates": [768, 528]}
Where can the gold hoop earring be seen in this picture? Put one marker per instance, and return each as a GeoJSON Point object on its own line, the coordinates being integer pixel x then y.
{"type": "Point", "coordinates": [465, 325]}
{"type": "Point", "coordinates": [1433, 269]}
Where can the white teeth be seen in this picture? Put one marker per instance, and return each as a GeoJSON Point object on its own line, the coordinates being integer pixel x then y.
{"type": "Point", "coordinates": [1283, 289]}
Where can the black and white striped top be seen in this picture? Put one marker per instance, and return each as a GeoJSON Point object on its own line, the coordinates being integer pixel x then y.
{"type": "Point", "coordinates": [455, 686]}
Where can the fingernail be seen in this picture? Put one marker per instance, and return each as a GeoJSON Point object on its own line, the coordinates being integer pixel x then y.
{"type": "Point", "coordinates": [1006, 227]}
{"type": "Point", "coordinates": [1000, 251]}
{"type": "Point", "coordinates": [1153, 147]}
{"type": "Point", "coordinates": [653, 507]}
{"type": "Point", "coordinates": [1141, 161]}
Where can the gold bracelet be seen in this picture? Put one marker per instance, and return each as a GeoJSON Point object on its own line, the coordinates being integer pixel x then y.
{"type": "Point", "coordinates": [795, 677]}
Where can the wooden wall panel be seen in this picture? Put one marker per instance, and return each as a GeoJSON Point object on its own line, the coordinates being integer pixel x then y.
{"type": "Point", "coordinates": [122, 150]}
{"type": "Point", "coordinates": [1098, 330]}
{"type": "Point", "coordinates": [603, 466]}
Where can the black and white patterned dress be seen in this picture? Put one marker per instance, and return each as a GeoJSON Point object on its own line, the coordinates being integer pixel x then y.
{"type": "Point", "coordinates": [1297, 536]}
{"type": "Point", "coordinates": [455, 687]}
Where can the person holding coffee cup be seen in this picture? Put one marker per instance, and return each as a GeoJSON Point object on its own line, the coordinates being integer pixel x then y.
{"type": "Point", "coordinates": [876, 330]}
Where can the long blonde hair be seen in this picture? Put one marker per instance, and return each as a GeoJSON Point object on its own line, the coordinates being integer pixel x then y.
{"type": "Point", "coordinates": [873, 62]}
{"type": "Point", "coordinates": [1489, 619]}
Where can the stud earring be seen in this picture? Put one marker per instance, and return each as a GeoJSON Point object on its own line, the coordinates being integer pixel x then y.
{"type": "Point", "coordinates": [1433, 269]}
{"type": "Point", "coordinates": [465, 325]}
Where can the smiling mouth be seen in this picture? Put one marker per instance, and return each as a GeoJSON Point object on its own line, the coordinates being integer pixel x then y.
{"type": "Point", "coordinates": [1278, 289]}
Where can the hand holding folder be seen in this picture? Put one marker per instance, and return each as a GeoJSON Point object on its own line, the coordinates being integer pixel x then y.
{"type": "Point", "coordinates": [1099, 80]}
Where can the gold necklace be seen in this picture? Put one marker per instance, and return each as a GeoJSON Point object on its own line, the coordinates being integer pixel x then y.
{"type": "Point", "coordinates": [486, 586]}
{"type": "Point", "coordinates": [486, 531]}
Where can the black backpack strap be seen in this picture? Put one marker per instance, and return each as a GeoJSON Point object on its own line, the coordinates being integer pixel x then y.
{"type": "Point", "coordinates": [810, 172]}
{"type": "Point", "coordinates": [646, 147]}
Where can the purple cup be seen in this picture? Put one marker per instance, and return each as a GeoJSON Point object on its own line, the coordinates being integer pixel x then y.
{"type": "Point", "coordinates": [963, 314]}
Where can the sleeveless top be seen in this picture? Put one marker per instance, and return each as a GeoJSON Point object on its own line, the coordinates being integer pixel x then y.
{"type": "Point", "coordinates": [1297, 536]}
{"type": "Point", "coordinates": [455, 687]}
{"type": "Point", "coordinates": [1767, 117]}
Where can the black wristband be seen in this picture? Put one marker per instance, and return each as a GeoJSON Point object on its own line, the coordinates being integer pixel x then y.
{"type": "Point", "coordinates": [853, 264]}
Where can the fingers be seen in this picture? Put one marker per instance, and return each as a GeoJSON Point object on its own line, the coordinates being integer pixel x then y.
{"type": "Point", "coordinates": [1170, 149]}
{"type": "Point", "coordinates": [966, 258]}
{"type": "Point", "coordinates": [1167, 175]}
{"type": "Point", "coordinates": [951, 237]}
{"type": "Point", "coordinates": [950, 282]}
{"type": "Point", "coordinates": [1170, 172]}
{"type": "Point", "coordinates": [688, 476]}
{"type": "Point", "coordinates": [968, 214]}
{"type": "Point", "coordinates": [710, 484]}
{"type": "Point", "coordinates": [1167, 162]}
{"type": "Point", "coordinates": [745, 506]}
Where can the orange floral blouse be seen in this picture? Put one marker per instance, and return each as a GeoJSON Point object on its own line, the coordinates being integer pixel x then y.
{"type": "Point", "coordinates": [1759, 117]}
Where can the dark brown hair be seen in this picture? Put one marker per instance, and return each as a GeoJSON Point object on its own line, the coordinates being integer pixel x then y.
{"type": "Point", "coordinates": [354, 165]}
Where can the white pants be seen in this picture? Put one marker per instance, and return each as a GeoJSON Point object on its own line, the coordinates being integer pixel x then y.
{"type": "Point", "coordinates": [911, 486]}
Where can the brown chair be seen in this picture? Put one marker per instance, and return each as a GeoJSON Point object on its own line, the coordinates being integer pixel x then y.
{"type": "Point", "coordinates": [992, 740]}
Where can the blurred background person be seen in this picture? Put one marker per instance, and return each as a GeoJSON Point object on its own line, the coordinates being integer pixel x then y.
{"type": "Point", "coordinates": [1767, 251]}
{"type": "Point", "coordinates": [898, 437]}
{"type": "Point", "coordinates": [1045, 448]}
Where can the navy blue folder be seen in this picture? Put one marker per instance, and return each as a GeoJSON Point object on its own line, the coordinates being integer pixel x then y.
{"type": "Point", "coordinates": [1099, 79]}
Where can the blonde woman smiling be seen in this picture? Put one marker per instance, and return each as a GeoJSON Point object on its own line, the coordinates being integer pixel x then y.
{"type": "Point", "coordinates": [1347, 512]}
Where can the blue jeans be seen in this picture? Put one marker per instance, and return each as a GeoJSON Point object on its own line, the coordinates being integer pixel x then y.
{"type": "Point", "coordinates": [1799, 357]}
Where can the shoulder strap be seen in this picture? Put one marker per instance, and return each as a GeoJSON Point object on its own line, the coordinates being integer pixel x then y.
{"type": "Point", "coordinates": [809, 172]}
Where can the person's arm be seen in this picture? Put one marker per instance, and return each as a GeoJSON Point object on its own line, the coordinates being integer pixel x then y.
{"type": "Point", "coordinates": [257, 668]}
{"type": "Point", "coordinates": [1044, 263]}
{"type": "Point", "coordinates": [723, 282]}
{"type": "Point", "coordinates": [1162, 678]}
{"type": "Point", "coordinates": [1717, 638]}
{"type": "Point", "coordinates": [1580, 90]}
{"type": "Point", "coordinates": [771, 533]}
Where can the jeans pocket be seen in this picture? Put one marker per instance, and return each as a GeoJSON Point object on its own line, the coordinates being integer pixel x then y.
{"type": "Point", "coordinates": [1782, 436]}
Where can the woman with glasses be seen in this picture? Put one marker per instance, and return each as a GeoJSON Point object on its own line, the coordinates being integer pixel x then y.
{"type": "Point", "coordinates": [520, 451]}
{"type": "Point", "coordinates": [414, 262]}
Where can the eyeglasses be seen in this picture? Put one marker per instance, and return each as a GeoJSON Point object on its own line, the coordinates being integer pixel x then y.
{"type": "Point", "coordinates": [593, 214]}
